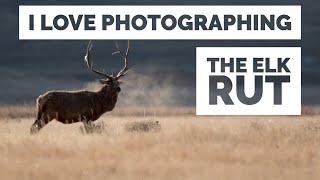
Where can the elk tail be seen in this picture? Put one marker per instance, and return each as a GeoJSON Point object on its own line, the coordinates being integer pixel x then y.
{"type": "Point", "coordinates": [39, 106]}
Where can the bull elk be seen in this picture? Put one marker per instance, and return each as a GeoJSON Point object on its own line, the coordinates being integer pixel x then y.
{"type": "Point", "coordinates": [81, 106]}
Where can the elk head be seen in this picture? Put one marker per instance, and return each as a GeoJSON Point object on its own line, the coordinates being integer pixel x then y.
{"type": "Point", "coordinates": [109, 79]}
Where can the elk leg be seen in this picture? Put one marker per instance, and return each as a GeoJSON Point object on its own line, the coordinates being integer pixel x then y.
{"type": "Point", "coordinates": [88, 126]}
{"type": "Point", "coordinates": [39, 123]}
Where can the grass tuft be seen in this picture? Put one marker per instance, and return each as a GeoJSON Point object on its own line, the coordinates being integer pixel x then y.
{"type": "Point", "coordinates": [143, 126]}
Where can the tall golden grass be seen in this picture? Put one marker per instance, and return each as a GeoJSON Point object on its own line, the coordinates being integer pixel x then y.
{"type": "Point", "coordinates": [186, 147]}
{"type": "Point", "coordinates": [29, 111]}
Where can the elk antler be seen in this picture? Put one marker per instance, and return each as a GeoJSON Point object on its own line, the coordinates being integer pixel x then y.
{"type": "Point", "coordinates": [89, 63]}
{"type": "Point", "coordinates": [124, 55]}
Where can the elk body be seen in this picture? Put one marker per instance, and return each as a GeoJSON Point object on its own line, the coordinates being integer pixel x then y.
{"type": "Point", "coordinates": [81, 106]}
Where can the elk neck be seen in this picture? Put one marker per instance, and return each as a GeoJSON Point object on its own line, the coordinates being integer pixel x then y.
{"type": "Point", "coordinates": [107, 97]}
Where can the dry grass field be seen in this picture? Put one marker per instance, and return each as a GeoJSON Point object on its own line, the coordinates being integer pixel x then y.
{"type": "Point", "coordinates": [186, 147]}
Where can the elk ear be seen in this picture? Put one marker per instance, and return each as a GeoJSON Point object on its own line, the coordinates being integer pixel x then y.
{"type": "Point", "coordinates": [104, 81]}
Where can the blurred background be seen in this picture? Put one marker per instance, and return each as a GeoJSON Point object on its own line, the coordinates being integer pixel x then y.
{"type": "Point", "coordinates": [162, 73]}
